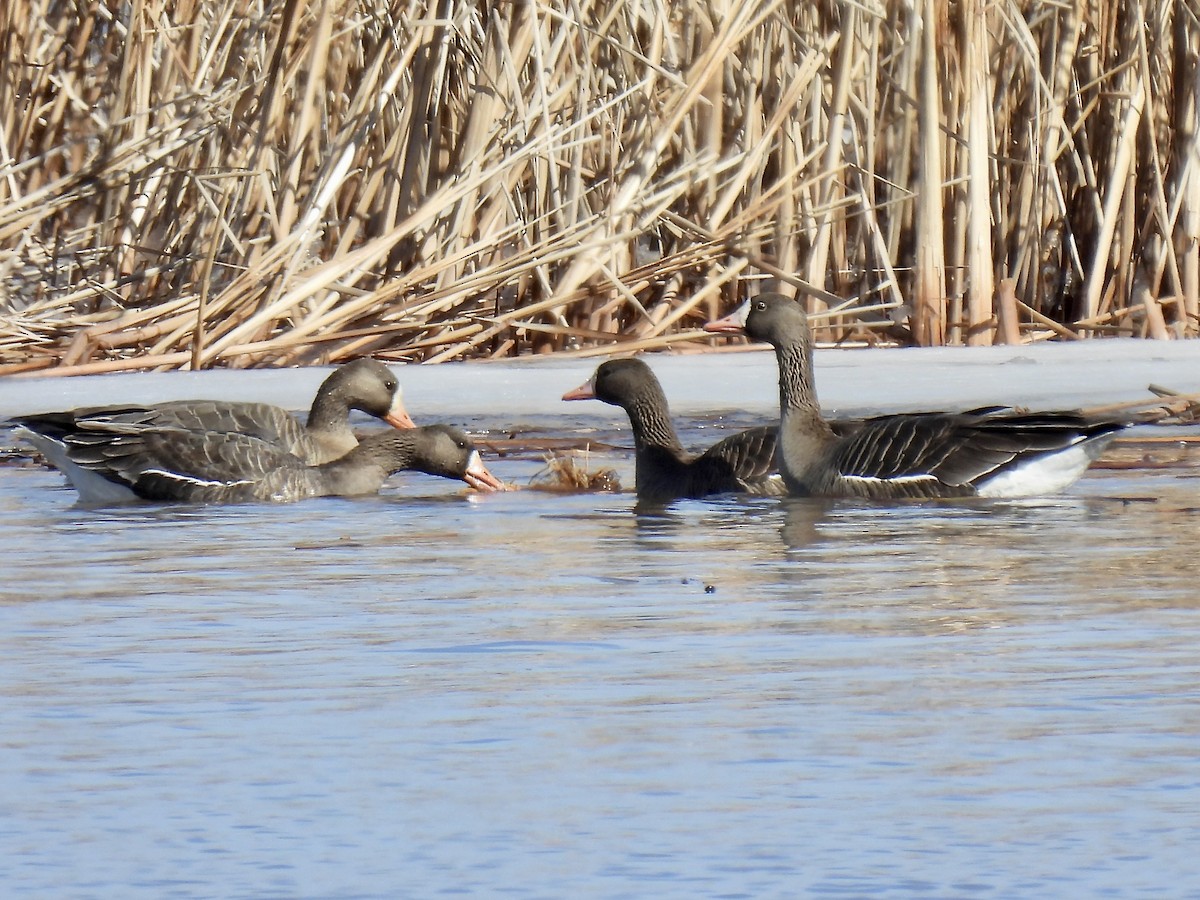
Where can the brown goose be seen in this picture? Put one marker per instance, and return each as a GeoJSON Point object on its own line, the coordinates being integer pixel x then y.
{"type": "Point", "coordinates": [743, 462]}
{"type": "Point", "coordinates": [923, 455]}
{"type": "Point", "coordinates": [364, 384]}
{"type": "Point", "coordinates": [171, 463]}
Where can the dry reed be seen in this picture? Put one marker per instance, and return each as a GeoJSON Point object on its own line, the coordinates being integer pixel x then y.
{"type": "Point", "coordinates": [253, 182]}
{"type": "Point", "coordinates": [565, 474]}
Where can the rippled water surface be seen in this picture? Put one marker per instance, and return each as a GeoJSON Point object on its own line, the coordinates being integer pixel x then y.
{"type": "Point", "coordinates": [555, 696]}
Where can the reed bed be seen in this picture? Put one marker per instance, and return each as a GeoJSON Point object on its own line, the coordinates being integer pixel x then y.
{"type": "Point", "coordinates": [270, 182]}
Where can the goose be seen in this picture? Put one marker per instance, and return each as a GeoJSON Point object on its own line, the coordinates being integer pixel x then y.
{"type": "Point", "coordinates": [986, 453]}
{"type": "Point", "coordinates": [364, 384]}
{"type": "Point", "coordinates": [126, 462]}
{"type": "Point", "coordinates": [743, 462]}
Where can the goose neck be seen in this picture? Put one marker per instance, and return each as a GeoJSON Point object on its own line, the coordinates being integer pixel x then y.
{"type": "Point", "coordinates": [389, 451]}
{"type": "Point", "coordinates": [329, 413]}
{"type": "Point", "coordinates": [796, 391]}
{"type": "Point", "coordinates": [651, 421]}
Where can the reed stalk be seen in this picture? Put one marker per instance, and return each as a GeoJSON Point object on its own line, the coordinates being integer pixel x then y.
{"type": "Point", "coordinates": [268, 182]}
{"type": "Point", "coordinates": [929, 291]}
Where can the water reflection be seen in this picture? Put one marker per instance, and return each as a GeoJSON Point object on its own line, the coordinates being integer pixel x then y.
{"type": "Point", "coordinates": [480, 694]}
{"type": "Point", "coordinates": [802, 517]}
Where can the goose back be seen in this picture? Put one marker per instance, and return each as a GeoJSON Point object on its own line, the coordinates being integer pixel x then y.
{"type": "Point", "coordinates": [366, 385]}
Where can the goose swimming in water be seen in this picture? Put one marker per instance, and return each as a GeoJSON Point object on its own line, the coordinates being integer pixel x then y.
{"type": "Point", "coordinates": [664, 471]}
{"type": "Point", "coordinates": [364, 384]}
{"type": "Point", "coordinates": [923, 455]}
{"type": "Point", "coordinates": [126, 462]}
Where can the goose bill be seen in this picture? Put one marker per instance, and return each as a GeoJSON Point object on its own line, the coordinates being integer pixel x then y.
{"type": "Point", "coordinates": [397, 416]}
{"type": "Point", "coordinates": [586, 391]}
{"type": "Point", "coordinates": [478, 477]}
{"type": "Point", "coordinates": [734, 323]}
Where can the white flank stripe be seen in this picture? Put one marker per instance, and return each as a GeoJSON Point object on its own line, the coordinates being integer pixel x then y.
{"type": "Point", "coordinates": [188, 479]}
{"type": "Point", "coordinates": [898, 479]}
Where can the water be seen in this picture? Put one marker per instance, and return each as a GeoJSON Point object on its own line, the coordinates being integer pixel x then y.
{"type": "Point", "coordinates": [537, 695]}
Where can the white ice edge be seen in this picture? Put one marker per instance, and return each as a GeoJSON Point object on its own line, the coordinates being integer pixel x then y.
{"type": "Point", "coordinates": [849, 382]}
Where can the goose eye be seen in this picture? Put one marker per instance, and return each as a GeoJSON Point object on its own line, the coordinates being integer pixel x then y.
{"type": "Point", "coordinates": [390, 385]}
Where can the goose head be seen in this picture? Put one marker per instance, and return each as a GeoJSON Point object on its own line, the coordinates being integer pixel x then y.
{"type": "Point", "coordinates": [772, 318]}
{"type": "Point", "coordinates": [369, 386]}
{"type": "Point", "coordinates": [620, 382]}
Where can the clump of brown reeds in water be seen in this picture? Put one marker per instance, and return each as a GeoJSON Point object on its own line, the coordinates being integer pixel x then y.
{"type": "Point", "coordinates": [565, 474]}
{"type": "Point", "coordinates": [183, 184]}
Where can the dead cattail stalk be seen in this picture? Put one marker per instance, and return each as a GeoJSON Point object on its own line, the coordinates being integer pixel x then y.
{"type": "Point", "coordinates": [977, 50]}
{"type": "Point", "coordinates": [1007, 322]}
{"type": "Point", "coordinates": [435, 179]}
{"type": "Point", "coordinates": [930, 271]}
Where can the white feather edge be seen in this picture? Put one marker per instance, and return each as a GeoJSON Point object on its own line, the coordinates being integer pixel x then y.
{"type": "Point", "coordinates": [1041, 475]}
{"type": "Point", "coordinates": [191, 479]}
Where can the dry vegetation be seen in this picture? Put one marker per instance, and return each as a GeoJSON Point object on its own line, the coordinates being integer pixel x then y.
{"type": "Point", "coordinates": [250, 182]}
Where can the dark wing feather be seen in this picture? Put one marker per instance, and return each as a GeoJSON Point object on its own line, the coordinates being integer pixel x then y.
{"type": "Point", "coordinates": [260, 420]}
{"type": "Point", "coordinates": [958, 450]}
{"type": "Point", "coordinates": [1007, 440]}
{"type": "Point", "coordinates": [742, 461]}
{"type": "Point", "coordinates": [896, 447]}
{"type": "Point", "coordinates": [178, 464]}
{"type": "Point", "coordinates": [58, 425]}
{"type": "Point", "coordinates": [750, 454]}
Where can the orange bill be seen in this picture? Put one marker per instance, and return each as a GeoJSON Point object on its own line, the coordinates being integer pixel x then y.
{"type": "Point", "coordinates": [734, 323]}
{"type": "Point", "coordinates": [586, 391]}
{"type": "Point", "coordinates": [397, 416]}
{"type": "Point", "coordinates": [478, 476]}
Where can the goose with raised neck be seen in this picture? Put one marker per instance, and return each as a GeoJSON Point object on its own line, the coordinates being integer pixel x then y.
{"type": "Point", "coordinates": [366, 385]}
{"type": "Point", "coordinates": [921, 455]}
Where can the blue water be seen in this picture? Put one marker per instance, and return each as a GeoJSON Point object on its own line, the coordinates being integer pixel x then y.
{"type": "Point", "coordinates": [535, 695]}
